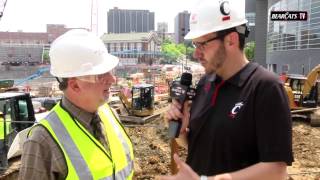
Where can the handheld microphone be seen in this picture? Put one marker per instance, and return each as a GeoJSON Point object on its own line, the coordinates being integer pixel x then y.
{"type": "Point", "coordinates": [180, 91]}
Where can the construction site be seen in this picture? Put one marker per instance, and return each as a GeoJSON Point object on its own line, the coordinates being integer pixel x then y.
{"type": "Point", "coordinates": [143, 88]}
{"type": "Point", "coordinates": [146, 126]}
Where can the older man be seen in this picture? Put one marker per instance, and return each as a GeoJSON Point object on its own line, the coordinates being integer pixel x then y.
{"type": "Point", "coordinates": [81, 138]}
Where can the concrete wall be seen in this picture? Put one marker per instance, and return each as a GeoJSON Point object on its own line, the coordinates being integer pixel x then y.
{"type": "Point", "coordinates": [261, 31]}
{"type": "Point", "coordinates": [296, 59]}
{"type": "Point", "coordinates": [21, 53]}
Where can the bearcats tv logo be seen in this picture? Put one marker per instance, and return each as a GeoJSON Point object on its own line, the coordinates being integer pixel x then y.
{"type": "Point", "coordinates": [289, 15]}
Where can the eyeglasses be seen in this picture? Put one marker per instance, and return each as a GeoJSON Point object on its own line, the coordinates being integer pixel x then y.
{"type": "Point", "coordinates": [201, 45]}
{"type": "Point", "coordinates": [101, 78]}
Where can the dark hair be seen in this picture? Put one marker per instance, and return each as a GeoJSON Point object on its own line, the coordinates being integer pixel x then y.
{"type": "Point", "coordinates": [63, 83]}
{"type": "Point", "coordinates": [242, 37]}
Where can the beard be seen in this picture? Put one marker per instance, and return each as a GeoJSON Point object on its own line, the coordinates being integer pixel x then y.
{"type": "Point", "coordinates": [216, 61]}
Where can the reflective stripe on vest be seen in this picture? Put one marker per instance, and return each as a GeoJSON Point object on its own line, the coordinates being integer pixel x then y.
{"type": "Point", "coordinates": [79, 164]}
{"type": "Point", "coordinates": [84, 157]}
{"type": "Point", "coordinates": [126, 171]}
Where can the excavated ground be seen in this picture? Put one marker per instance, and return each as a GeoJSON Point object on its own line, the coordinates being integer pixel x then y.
{"type": "Point", "coordinates": [152, 151]}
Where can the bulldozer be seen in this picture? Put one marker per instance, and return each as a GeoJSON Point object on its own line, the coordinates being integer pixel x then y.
{"type": "Point", "coordinates": [303, 95]}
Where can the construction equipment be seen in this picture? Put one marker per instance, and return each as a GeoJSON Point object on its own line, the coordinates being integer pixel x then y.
{"type": "Point", "coordinates": [7, 85]}
{"type": "Point", "coordinates": [142, 101]}
{"type": "Point", "coordinates": [17, 114]}
{"type": "Point", "coordinates": [35, 75]}
{"type": "Point", "coordinates": [303, 95]}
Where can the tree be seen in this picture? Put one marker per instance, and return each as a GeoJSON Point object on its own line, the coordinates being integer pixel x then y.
{"type": "Point", "coordinates": [190, 51]}
{"type": "Point", "coordinates": [249, 50]}
{"type": "Point", "coordinates": [174, 51]}
{"type": "Point", "coordinates": [181, 48]}
{"type": "Point", "coordinates": [45, 56]}
{"type": "Point", "coordinates": [171, 52]}
{"type": "Point", "coordinates": [167, 41]}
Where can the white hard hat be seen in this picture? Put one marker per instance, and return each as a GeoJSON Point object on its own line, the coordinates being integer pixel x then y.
{"type": "Point", "coordinates": [212, 15]}
{"type": "Point", "coordinates": [80, 53]}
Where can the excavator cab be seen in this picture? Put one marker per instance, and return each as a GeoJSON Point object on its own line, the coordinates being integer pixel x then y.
{"type": "Point", "coordinates": [142, 99]}
{"type": "Point", "coordinates": [296, 82]}
{"type": "Point", "coordinates": [301, 99]}
{"type": "Point", "coordinates": [16, 114]}
{"type": "Point", "coordinates": [303, 95]}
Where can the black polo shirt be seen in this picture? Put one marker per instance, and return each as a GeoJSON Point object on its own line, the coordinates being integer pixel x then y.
{"type": "Point", "coordinates": [246, 121]}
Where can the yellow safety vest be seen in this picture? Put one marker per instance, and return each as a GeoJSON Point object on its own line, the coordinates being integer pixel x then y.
{"type": "Point", "coordinates": [8, 127]}
{"type": "Point", "coordinates": [85, 156]}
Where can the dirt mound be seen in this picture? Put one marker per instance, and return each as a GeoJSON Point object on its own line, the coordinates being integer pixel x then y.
{"type": "Point", "coordinates": [306, 148]}
{"type": "Point", "coordinates": [152, 151]}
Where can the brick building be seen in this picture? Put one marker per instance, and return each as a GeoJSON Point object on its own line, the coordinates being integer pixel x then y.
{"type": "Point", "coordinates": [26, 47]}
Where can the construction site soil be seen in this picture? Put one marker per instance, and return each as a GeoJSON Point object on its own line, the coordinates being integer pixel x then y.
{"type": "Point", "coordinates": [152, 152]}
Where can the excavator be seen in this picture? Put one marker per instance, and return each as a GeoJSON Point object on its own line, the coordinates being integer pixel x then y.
{"type": "Point", "coordinates": [16, 114]}
{"type": "Point", "coordinates": [142, 101]}
{"type": "Point", "coordinates": [303, 95]}
{"type": "Point", "coordinates": [140, 107]}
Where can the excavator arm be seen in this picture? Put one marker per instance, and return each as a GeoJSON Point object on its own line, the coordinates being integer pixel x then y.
{"type": "Point", "coordinates": [126, 103]}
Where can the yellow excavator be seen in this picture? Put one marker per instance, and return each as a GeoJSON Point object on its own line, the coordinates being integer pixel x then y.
{"type": "Point", "coordinates": [303, 95]}
{"type": "Point", "coordinates": [142, 102]}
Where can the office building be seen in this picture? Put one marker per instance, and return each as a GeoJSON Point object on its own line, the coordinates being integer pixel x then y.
{"type": "Point", "coordinates": [293, 46]}
{"type": "Point", "coordinates": [181, 26]}
{"type": "Point", "coordinates": [126, 21]}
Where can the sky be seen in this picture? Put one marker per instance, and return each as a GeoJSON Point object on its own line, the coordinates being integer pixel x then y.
{"type": "Point", "coordinates": [33, 15]}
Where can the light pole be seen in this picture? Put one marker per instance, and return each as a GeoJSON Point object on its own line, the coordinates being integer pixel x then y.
{"type": "Point", "coordinates": [186, 54]}
{"type": "Point", "coordinates": [182, 35]}
{"type": "Point", "coordinates": [187, 44]}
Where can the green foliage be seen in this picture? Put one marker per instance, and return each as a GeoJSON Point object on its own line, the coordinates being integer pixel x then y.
{"type": "Point", "coordinates": [167, 41]}
{"type": "Point", "coordinates": [249, 50]}
{"type": "Point", "coordinates": [190, 51]}
{"type": "Point", "coordinates": [172, 53]}
{"type": "Point", "coordinates": [46, 57]}
{"type": "Point", "coordinates": [181, 48]}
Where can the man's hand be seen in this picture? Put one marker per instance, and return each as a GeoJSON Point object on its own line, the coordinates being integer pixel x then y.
{"type": "Point", "coordinates": [174, 113]}
{"type": "Point", "coordinates": [185, 172]}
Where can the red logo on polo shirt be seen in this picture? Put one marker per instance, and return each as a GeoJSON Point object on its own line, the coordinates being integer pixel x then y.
{"type": "Point", "coordinates": [235, 110]}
